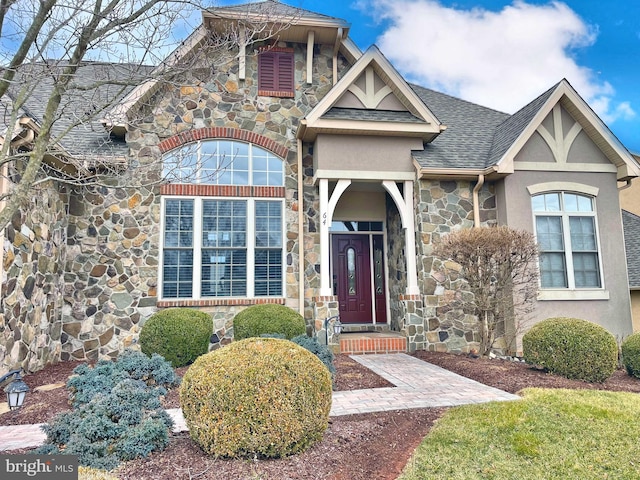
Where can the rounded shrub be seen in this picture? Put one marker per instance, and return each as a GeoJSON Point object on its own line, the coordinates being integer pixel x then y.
{"type": "Point", "coordinates": [259, 396]}
{"type": "Point", "coordinates": [180, 335]}
{"type": "Point", "coordinates": [572, 348]}
{"type": "Point", "coordinates": [631, 354]}
{"type": "Point", "coordinates": [267, 319]}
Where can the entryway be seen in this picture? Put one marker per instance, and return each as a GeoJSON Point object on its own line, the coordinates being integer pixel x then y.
{"type": "Point", "coordinates": [359, 277]}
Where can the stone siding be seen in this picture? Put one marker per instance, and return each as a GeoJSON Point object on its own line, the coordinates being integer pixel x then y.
{"type": "Point", "coordinates": [34, 249]}
{"type": "Point", "coordinates": [111, 274]}
{"type": "Point", "coordinates": [449, 320]}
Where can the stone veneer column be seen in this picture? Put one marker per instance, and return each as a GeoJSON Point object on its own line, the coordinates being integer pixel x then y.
{"type": "Point", "coordinates": [326, 307]}
{"type": "Point", "coordinates": [413, 321]}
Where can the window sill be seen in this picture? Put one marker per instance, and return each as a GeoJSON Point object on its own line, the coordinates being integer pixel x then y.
{"type": "Point", "coordinates": [218, 302]}
{"type": "Point", "coordinates": [566, 294]}
{"type": "Point", "coordinates": [276, 93]}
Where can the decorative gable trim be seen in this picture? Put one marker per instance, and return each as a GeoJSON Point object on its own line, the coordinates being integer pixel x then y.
{"type": "Point", "coordinates": [223, 132]}
{"type": "Point", "coordinates": [564, 95]}
{"type": "Point", "coordinates": [369, 97]}
{"type": "Point", "coordinates": [370, 63]}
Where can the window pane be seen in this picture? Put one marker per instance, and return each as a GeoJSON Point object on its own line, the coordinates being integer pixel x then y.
{"type": "Point", "coordinates": [586, 270]}
{"type": "Point", "coordinates": [583, 235]}
{"type": "Point", "coordinates": [548, 202]}
{"type": "Point", "coordinates": [178, 225]}
{"type": "Point", "coordinates": [585, 204]}
{"type": "Point", "coordinates": [224, 273]}
{"type": "Point", "coordinates": [553, 270]}
{"type": "Point", "coordinates": [268, 224]}
{"type": "Point", "coordinates": [177, 272]}
{"type": "Point", "coordinates": [224, 223]}
{"type": "Point", "coordinates": [268, 273]}
{"type": "Point", "coordinates": [549, 233]}
{"type": "Point", "coordinates": [570, 202]}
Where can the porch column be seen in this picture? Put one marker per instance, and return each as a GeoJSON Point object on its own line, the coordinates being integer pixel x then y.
{"type": "Point", "coordinates": [327, 207]}
{"type": "Point", "coordinates": [405, 207]}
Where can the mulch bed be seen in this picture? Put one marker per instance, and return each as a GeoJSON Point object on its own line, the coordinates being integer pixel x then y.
{"type": "Point", "coordinates": [373, 446]}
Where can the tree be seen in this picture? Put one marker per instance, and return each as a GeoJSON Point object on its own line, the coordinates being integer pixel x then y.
{"type": "Point", "coordinates": [125, 43]}
{"type": "Point", "coordinates": [500, 267]}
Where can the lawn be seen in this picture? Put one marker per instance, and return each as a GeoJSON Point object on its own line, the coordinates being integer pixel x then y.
{"type": "Point", "coordinates": [549, 434]}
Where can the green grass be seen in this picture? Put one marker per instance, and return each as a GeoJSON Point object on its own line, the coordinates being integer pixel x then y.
{"type": "Point", "coordinates": [549, 434]}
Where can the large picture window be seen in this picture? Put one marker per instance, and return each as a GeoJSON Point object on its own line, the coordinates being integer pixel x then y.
{"type": "Point", "coordinates": [566, 231]}
{"type": "Point", "coordinates": [218, 246]}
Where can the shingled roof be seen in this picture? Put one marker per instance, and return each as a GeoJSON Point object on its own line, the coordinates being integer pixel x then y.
{"type": "Point", "coordinates": [88, 137]}
{"type": "Point", "coordinates": [273, 8]}
{"type": "Point", "coordinates": [467, 141]}
{"type": "Point", "coordinates": [631, 225]}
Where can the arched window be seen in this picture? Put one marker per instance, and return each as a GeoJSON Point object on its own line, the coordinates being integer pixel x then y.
{"type": "Point", "coordinates": [218, 244]}
{"type": "Point", "coordinates": [566, 230]}
{"type": "Point", "coordinates": [223, 162]}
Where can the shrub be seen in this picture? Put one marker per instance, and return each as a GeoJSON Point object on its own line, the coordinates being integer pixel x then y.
{"type": "Point", "coordinates": [631, 354]}
{"type": "Point", "coordinates": [124, 423]}
{"type": "Point", "coordinates": [318, 349]}
{"type": "Point", "coordinates": [268, 318]}
{"type": "Point", "coordinates": [180, 335]}
{"type": "Point", "coordinates": [259, 396]}
{"type": "Point", "coordinates": [572, 348]}
{"type": "Point", "coordinates": [88, 381]}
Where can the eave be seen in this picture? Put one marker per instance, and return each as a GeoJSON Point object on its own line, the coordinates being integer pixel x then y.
{"type": "Point", "coordinates": [309, 133]}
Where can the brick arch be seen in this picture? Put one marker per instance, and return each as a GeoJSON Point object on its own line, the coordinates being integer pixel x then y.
{"type": "Point", "coordinates": [223, 132]}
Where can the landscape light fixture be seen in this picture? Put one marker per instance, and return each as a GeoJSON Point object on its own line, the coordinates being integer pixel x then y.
{"type": "Point", "coordinates": [337, 326]}
{"type": "Point", "coordinates": [16, 390]}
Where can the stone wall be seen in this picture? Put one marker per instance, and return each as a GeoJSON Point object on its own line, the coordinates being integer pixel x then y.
{"type": "Point", "coordinates": [111, 275]}
{"type": "Point", "coordinates": [441, 207]}
{"type": "Point", "coordinates": [34, 250]}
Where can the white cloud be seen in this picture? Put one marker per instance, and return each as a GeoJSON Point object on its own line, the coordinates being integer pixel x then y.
{"type": "Point", "coordinates": [500, 59]}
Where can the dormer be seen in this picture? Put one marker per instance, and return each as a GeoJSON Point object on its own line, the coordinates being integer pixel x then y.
{"type": "Point", "coordinates": [276, 22]}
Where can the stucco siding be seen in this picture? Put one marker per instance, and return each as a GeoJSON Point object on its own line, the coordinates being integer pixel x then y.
{"type": "Point", "coordinates": [365, 153]}
{"type": "Point", "coordinates": [614, 313]}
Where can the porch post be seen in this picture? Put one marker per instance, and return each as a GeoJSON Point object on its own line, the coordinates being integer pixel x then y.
{"type": "Point", "coordinates": [405, 208]}
{"type": "Point", "coordinates": [327, 207]}
{"type": "Point", "coordinates": [410, 240]}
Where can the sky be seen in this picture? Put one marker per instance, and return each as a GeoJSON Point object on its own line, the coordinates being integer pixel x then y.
{"type": "Point", "coordinates": [503, 54]}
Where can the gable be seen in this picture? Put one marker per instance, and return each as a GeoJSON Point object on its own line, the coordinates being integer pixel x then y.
{"type": "Point", "coordinates": [561, 140]}
{"type": "Point", "coordinates": [559, 132]}
{"type": "Point", "coordinates": [371, 98]}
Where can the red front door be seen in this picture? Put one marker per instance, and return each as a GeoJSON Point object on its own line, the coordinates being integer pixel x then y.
{"type": "Point", "coordinates": [352, 277]}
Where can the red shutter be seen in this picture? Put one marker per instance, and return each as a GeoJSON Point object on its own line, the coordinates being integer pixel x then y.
{"type": "Point", "coordinates": [267, 71]}
{"type": "Point", "coordinates": [276, 73]}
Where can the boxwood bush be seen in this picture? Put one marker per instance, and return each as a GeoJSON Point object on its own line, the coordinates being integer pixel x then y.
{"type": "Point", "coordinates": [631, 354]}
{"type": "Point", "coordinates": [269, 318]}
{"type": "Point", "coordinates": [572, 348]}
{"type": "Point", "coordinates": [262, 397]}
{"type": "Point", "coordinates": [180, 335]}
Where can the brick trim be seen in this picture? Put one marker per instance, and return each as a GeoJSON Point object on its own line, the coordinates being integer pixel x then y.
{"type": "Point", "coordinates": [200, 190]}
{"type": "Point", "coordinates": [219, 302]}
{"type": "Point", "coordinates": [276, 93]}
{"type": "Point", "coordinates": [414, 298]}
{"type": "Point", "coordinates": [223, 132]}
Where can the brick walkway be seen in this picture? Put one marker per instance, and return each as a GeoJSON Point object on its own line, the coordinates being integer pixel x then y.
{"type": "Point", "coordinates": [418, 384]}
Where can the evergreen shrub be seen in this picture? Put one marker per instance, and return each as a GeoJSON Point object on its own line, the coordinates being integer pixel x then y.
{"type": "Point", "coordinates": [261, 397]}
{"type": "Point", "coordinates": [631, 354]}
{"type": "Point", "coordinates": [268, 318]}
{"type": "Point", "coordinates": [572, 348]}
{"type": "Point", "coordinates": [180, 335]}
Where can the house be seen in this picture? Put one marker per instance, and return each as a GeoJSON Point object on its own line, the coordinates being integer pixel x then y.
{"type": "Point", "coordinates": [302, 171]}
{"type": "Point", "coordinates": [630, 203]}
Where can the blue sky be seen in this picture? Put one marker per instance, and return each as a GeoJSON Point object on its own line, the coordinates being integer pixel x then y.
{"type": "Point", "coordinates": [503, 54]}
